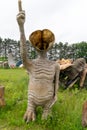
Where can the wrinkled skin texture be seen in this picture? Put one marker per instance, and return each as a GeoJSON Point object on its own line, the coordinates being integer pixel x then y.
{"type": "Point", "coordinates": [43, 77]}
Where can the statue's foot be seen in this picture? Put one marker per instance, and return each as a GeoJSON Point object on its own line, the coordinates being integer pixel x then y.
{"type": "Point", "coordinates": [45, 114]}
{"type": "Point", "coordinates": [29, 116]}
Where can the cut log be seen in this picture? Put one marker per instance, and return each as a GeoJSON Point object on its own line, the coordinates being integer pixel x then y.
{"type": "Point", "coordinates": [2, 101]}
{"type": "Point", "coordinates": [84, 114]}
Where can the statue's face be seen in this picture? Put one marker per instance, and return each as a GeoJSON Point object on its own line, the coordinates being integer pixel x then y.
{"type": "Point", "coordinates": [42, 40]}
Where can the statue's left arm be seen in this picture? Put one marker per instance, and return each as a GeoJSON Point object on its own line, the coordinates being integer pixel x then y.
{"type": "Point", "coordinates": [56, 80]}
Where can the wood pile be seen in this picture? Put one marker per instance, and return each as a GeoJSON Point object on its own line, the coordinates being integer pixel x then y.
{"type": "Point", "coordinates": [64, 61]}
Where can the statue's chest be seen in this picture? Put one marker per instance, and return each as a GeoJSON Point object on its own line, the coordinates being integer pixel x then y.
{"type": "Point", "coordinates": [43, 70]}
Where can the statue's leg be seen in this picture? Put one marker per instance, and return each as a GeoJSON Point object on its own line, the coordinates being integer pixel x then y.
{"type": "Point", "coordinates": [30, 112]}
{"type": "Point", "coordinates": [46, 109]}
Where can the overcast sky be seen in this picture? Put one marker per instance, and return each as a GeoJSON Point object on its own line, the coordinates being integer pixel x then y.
{"type": "Point", "coordinates": [66, 18]}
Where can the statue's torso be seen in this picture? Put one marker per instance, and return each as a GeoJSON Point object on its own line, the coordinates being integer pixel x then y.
{"type": "Point", "coordinates": [41, 77]}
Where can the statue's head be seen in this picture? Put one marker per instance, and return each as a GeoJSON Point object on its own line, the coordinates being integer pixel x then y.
{"type": "Point", "coordinates": [42, 40]}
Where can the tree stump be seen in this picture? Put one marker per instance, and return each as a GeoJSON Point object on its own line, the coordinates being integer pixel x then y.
{"type": "Point", "coordinates": [2, 101]}
{"type": "Point", "coordinates": [84, 114]}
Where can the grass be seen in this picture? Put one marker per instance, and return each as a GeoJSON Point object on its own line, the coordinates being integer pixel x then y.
{"type": "Point", "coordinates": [66, 113]}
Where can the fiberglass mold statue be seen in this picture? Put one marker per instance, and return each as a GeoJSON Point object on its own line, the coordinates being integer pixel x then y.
{"type": "Point", "coordinates": [43, 73]}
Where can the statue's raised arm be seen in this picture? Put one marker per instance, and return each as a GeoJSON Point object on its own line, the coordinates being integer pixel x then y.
{"type": "Point", "coordinates": [21, 21]}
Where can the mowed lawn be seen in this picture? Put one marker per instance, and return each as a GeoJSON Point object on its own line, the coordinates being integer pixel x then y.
{"type": "Point", "coordinates": [66, 113]}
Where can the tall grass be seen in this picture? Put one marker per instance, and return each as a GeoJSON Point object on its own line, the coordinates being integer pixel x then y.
{"type": "Point", "coordinates": [66, 113]}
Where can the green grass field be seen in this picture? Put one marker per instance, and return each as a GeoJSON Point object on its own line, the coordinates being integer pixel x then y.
{"type": "Point", "coordinates": [66, 113]}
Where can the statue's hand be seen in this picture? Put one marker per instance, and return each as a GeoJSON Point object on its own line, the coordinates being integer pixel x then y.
{"type": "Point", "coordinates": [21, 18]}
{"type": "Point", "coordinates": [55, 98]}
{"type": "Point", "coordinates": [53, 101]}
{"type": "Point", "coordinates": [29, 116]}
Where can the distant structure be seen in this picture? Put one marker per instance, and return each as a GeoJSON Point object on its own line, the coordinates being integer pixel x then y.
{"type": "Point", "coordinates": [11, 61]}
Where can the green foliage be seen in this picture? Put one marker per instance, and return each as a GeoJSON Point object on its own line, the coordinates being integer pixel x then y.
{"type": "Point", "coordinates": [60, 50]}
{"type": "Point", "coordinates": [3, 59]}
{"type": "Point", "coordinates": [66, 113]}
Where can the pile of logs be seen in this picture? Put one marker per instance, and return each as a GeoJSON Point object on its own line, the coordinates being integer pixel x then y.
{"type": "Point", "coordinates": [73, 71]}
{"type": "Point", "coordinates": [64, 61]}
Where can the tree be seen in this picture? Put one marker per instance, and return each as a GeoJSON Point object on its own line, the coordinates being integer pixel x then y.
{"type": "Point", "coordinates": [80, 50]}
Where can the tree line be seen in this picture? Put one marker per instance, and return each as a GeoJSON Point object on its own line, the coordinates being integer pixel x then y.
{"type": "Point", "coordinates": [60, 50]}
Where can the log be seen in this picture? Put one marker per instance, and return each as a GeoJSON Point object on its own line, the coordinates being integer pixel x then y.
{"type": "Point", "coordinates": [84, 114]}
{"type": "Point", "coordinates": [2, 101]}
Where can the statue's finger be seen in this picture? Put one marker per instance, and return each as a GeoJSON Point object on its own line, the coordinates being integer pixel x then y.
{"type": "Point", "coordinates": [19, 5]}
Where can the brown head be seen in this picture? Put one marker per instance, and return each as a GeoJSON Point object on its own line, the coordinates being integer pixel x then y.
{"type": "Point", "coordinates": [42, 40]}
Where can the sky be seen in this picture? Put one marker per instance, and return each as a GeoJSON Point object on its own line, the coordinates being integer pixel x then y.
{"type": "Point", "coordinates": [67, 19]}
